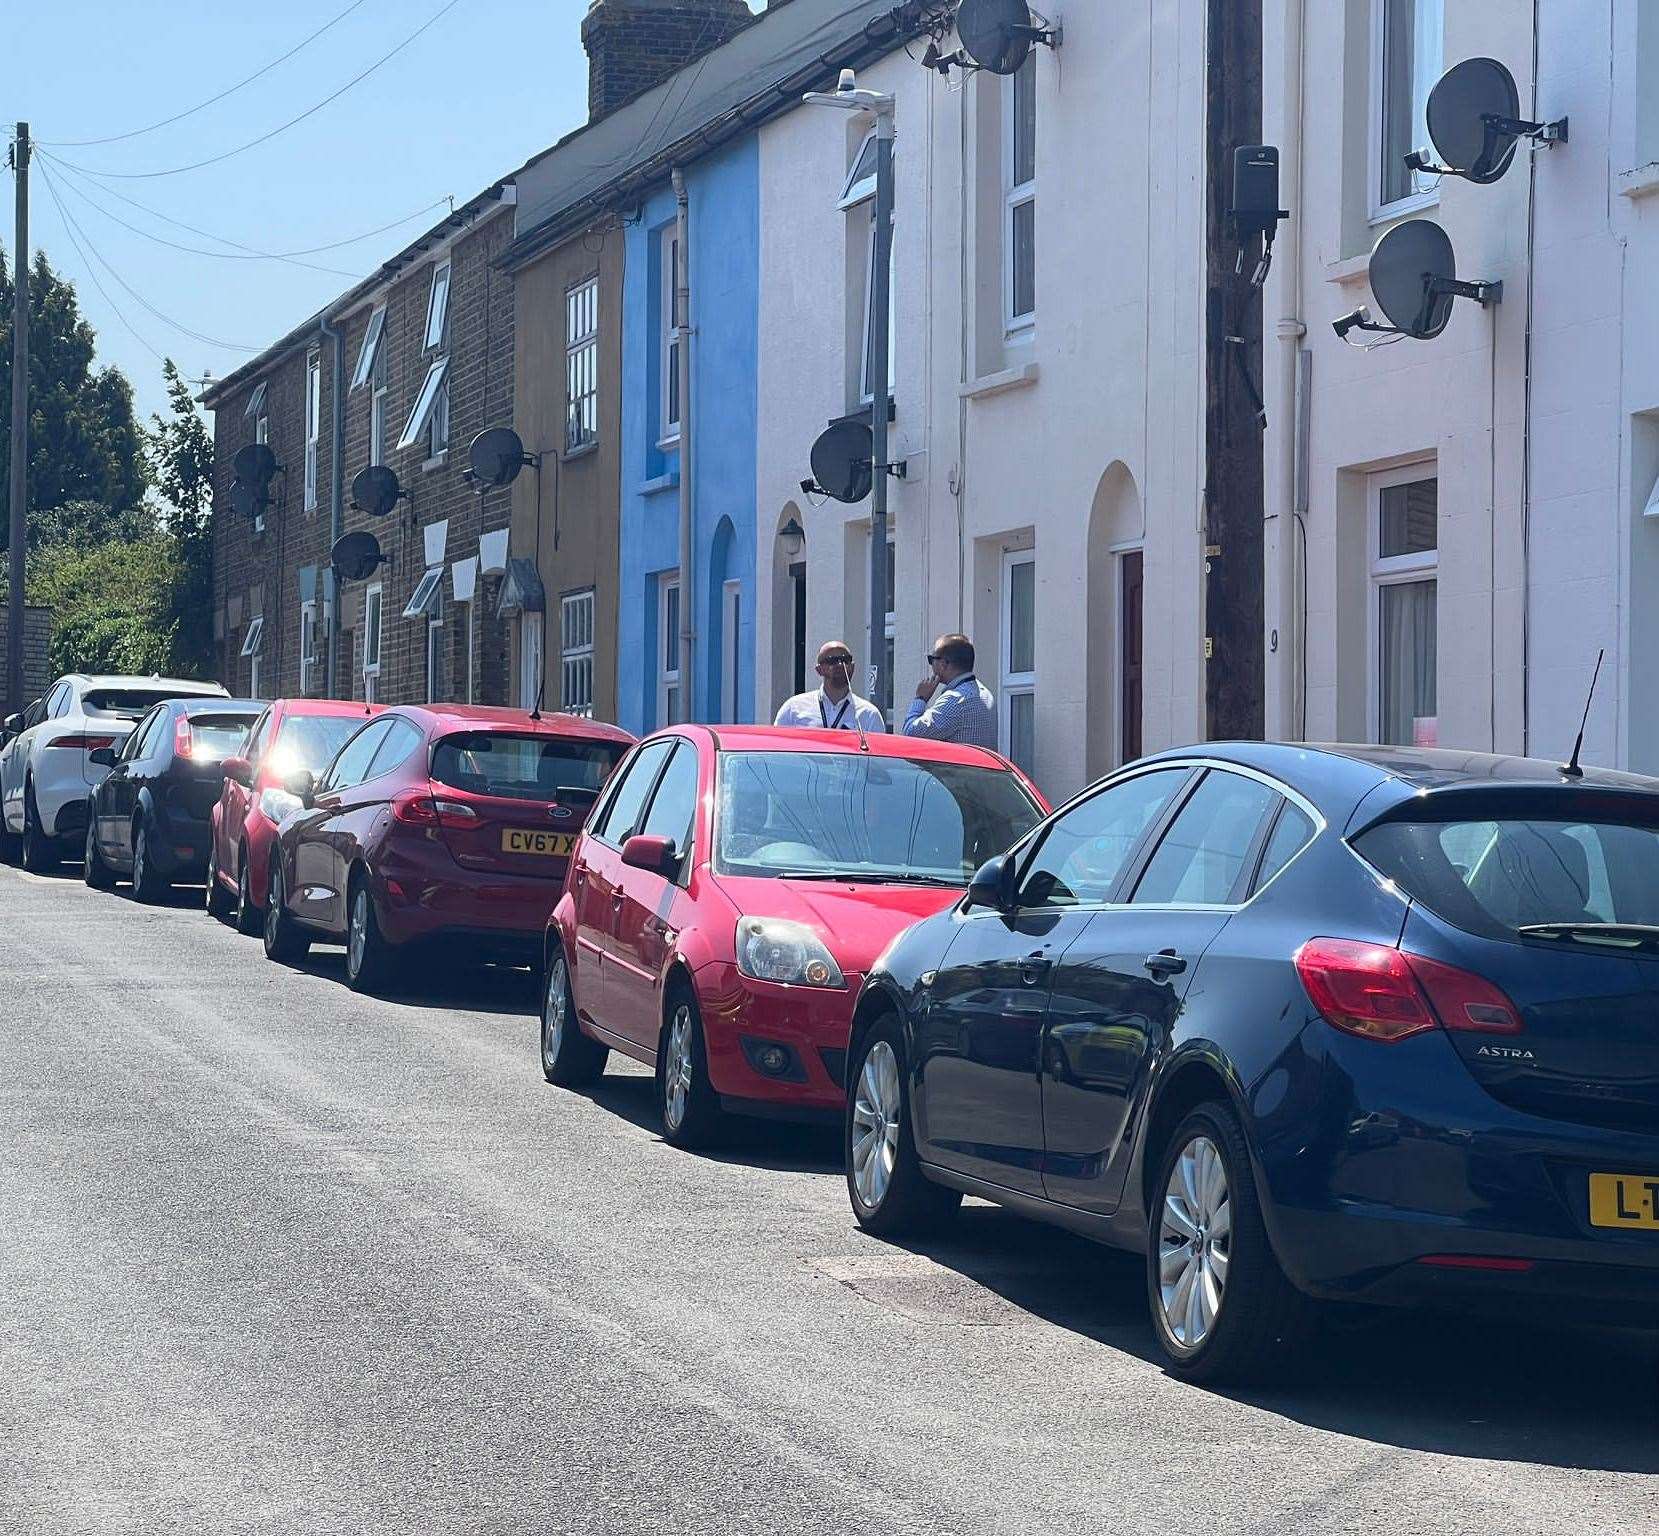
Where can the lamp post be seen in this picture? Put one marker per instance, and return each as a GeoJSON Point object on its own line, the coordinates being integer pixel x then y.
{"type": "Point", "coordinates": [849, 98]}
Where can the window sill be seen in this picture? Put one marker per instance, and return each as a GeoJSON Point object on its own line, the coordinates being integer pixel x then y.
{"type": "Point", "coordinates": [1020, 377]}
{"type": "Point", "coordinates": [667, 482]}
{"type": "Point", "coordinates": [436, 462]}
{"type": "Point", "coordinates": [1354, 270]}
{"type": "Point", "coordinates": [669, 444]}
{"type": "Point", "coordinates": [1641, 181]}
{"type": "Point", "coordinates": [1405, 207]}
{"type": "Point", "coordinates": [572, 454]}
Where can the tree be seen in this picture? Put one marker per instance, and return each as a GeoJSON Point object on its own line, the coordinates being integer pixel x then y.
{"type": "Point", "coordinates": [180, 453]}
{"type": "Point", "coordinates": [85, 444]}
{"type": "Point", "coordinates": [112, 604]}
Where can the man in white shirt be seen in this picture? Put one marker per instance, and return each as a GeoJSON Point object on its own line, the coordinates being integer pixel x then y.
{"type": "Point", "coordinates": [832, 706]}
{"type": "Point", "coordinates": [951, 704]}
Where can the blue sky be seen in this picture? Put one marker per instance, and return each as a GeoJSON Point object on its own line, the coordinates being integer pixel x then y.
{"type": "Point", "coordinates": [485, 87]}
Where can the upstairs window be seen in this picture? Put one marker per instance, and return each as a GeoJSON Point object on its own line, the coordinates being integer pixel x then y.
{"type": "Point", "coordinates": [582, 365]}
{"type": "Point", "coordinates": [369, 355]}
{"type": "Point", "coordinates": [313, 425]}
{"type": "Point", "coordinates": [1407, 49]}
{"type": "Point", "coordinates": [426, 404]}
{"type": "Point", "coordinates": [1019, 137]}
{"type": "Point", "coordinates": [670, 335]}
{"type": "Point", "coordinates": [861, 176]}
{"type": "Point", "coordinates": [437, 307]}
{"type": "Point", "coordinates": [377, 409]}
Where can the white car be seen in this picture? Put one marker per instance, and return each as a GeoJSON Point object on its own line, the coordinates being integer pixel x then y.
{"type": "Point", "coordinates": [46, 770]}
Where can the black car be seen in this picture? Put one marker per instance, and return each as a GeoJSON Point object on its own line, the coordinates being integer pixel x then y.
{"type": "Point", "coordinates": [1373, 1024]}
{"type": "Point", "coordinates": [149, 817]}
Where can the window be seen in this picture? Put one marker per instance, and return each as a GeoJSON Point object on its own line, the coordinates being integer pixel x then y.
{"type": "Point", "coordinates": [1087, 849]}
{"type": "Point", "coordinates": [867, 365]}
{"type": "Point", "coordinates": [256, 403]}
{"type": "Point", "coordinates": [1018, 715]}
{"type": "Point", "coordinates": [253, 637]}
{"type": "Point", "coordinates": [1291, 834]}
{"type": "Point", "coordinates": [425, 598]}
{"type": "Point", "coordinates": [1406, 52]}
{"type": "Point", "coordinates": [57, 702]}
{"type": "Point", "coordinates": [368, 358]}
{"type": "Point", "coordinates": [436, 683]}
{"type": "Point", "coordinates": [529, 660]}
{"type": "Point", "coordinates": [352, 765]}
{"type": "Point", "coordinates": [1202, 858]}
{"type": "Point", "coordinates": [377, 410]}
{"type": "Point", "coordinates": [582, 365]}
{"type": "Point", "coordinates": [308, 644]}
{"type": "Point", "coordinates": [313, 425]}
{"type": "Point", "coordinates": [261, 434]}
{"type": "Point", "coordinates": [437, 307]}
{"type": "Point", "coordinates": [1404, 561]}
{"type": "Point", "coordinates": [426, 402]}
{"type": "Point", "coordinates": [620, 816]}
{"type": "Point", "coordinates": [670, 336]}
{"type": "Point", "coordinates": [522, 767]}
{"type": "Point", "coordinates": [438, 434]}
{"type": "Point", "coordinates": [861, 176]}
{"type": "Point", "coordinates": [673, 812]}
{"type": "Point", "coordinates": [373, 605]}
{"type": "Point", "coordinates": [401, 743]}
{"type": "Point", "coordinates": [576, 653]}
{"type": "Point", "coordinates": [731, 650]}
{"type": "Point", "coordinates": [149, 734]}
{"type": "Point", "coordinates": [1020, 194]}
{"type": "Point", "coordinates": [668, 647]}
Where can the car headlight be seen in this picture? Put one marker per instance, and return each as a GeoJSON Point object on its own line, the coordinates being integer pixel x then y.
{"type": "Point", "coordinates": [277, 803]}
{"type": "Point", "coordinates": [775, 949]}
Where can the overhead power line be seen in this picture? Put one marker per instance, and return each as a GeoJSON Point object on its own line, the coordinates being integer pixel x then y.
{"type": "Point", "coordinates": [179, 170]}
{"type": "Point", "coordinates": [230, 90]}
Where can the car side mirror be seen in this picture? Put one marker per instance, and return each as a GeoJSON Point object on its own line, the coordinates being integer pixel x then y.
{"type": "Point", "coordinates": [993, 884]}
{"type": "Point", "coordinates": [103, 757]}
{"type": "Point", "coordinates": [302, 786]}
{"type": "Point", "coordinates": [652, 852]}
{"type": "Point", "coordinates": [240, 770]}
{"type": "Point", "coordinates": [12, 725]}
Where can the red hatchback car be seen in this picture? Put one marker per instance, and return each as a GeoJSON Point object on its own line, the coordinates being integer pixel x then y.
{"type": "Point", "coordinates": [438, 822]}
{"type": "Point", "coordinates": [731, 890]}
{"type": "Point", "coordinates": [292, 734]}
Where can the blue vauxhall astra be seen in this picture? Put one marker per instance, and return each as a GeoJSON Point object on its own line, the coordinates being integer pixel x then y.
{"type": "Point", "coordinates": [1346, 1023]}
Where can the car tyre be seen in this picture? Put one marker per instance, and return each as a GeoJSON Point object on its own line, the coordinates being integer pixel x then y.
{"type": "Point", "coordinates": [40, 853]}
{"type": "Point", "coordinates": [569, 1058]}
{"type": "Point", "coordinates": [689, 1106]}
{"type": "Point", "coordinates": [1222, 1307]}
{"type": "Point", "coordinates": [368, 954]}
{"type": "Point", "coordinates": [283, 939]}
{"type": "Point", "coordinates": [250, 920]}
{"type": "Point", "coordinates": [148, 885]}
{"type": "Point", "coordinates": [218, 903]}
{"type": "Point", "coordinates": [94, 870]}
{"type": "Point", "coordinates": [891, 1196]}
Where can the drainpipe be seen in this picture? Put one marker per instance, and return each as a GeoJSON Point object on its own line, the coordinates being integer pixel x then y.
{"type": "Point", "coordinates": [1290, 330]}
{"type": "Point", "coordinates": [682, 330]}
{"type": "Point", "coordinates": [336, 496]}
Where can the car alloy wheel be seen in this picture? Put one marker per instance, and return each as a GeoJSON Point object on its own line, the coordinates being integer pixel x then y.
{"type": "Point", "coordinates": [141, 865]}
{"type": "Point", "coordinates": [553, 1011]}
{"type": "Point", "coordinates": [877, 1107]}
{"type": "Point", "coordinates": [569, 1058]}
{"type": "Point", "coordinates": [247, 914]}
{"type": "Point", "coordinates": [357, 932]}
{"type": "Point", "coordinates": [677, 1068]}
{"type": "Point", "coordinates": [1195, 1243]}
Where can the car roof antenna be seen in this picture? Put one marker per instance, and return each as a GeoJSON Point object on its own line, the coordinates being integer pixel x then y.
{"type": "Point", "coordinates": [1571, 767]}
{"type": "Point", "coordinates": [541, 693]}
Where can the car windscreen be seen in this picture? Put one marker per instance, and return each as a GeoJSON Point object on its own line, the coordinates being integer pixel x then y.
{"type": "Point", "coordinates": [130, 703]}
{"type": "Point", "coordinates": [826, 814]}
{"type": "Point", "coordinates": [1500, 875]}
{"type": "Point", "coordinates": [218, 736]}
{"type": "Point", "coordinates": [523, 767]}
{"type": "Point", "coordinates": [310, 742]}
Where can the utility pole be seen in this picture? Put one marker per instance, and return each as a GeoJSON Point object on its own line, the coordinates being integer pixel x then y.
{"type": "Point", "coordinates": [20, 422]}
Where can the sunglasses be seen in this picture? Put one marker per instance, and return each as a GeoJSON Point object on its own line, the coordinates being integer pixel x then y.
{"type": "Point", "coordinates": [835, 661]}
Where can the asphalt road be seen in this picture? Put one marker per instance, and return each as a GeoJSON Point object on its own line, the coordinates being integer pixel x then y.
{"type": "Point", "coordinates": [276, 1258]}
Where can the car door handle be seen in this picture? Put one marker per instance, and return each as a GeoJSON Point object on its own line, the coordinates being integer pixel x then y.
{"type": "Point", "coordinates": [1034, 968]}
{"type": "Point", "coordinates": [1166, 963]}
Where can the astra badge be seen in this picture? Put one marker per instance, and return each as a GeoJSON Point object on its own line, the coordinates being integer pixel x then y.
{"type": "Point", "coordinates": [1506, 1053]}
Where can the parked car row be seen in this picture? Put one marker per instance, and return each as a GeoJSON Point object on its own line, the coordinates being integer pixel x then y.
{"type": "Point", "coordinates": [1295, 1024]}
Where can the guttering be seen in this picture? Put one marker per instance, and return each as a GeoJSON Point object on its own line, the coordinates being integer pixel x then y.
{"type": "Point", "coordinates": [682, 331]}
{"type": "Point", "coordinates": [336, 494]}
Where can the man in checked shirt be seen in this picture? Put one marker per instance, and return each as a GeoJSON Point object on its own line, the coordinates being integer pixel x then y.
{"type": "Point", "coordinates": [951, 704]}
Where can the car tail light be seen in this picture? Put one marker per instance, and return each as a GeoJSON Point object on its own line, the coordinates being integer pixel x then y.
{"type": "Point", "coordinates": [1384, 993]}
{"type": "Point", "coordinates": [418, 808]}
{"type": "Point", "coordinates": [1478, 1261]}
{"type": "Point", "coordinates": [183, 742]}
{"type": "Point", "coordinates": [83, 743]}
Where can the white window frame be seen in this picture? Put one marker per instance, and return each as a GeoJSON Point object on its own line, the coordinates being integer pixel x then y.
{"type": "Point", "coordinates": [669, 682]}
{"type": "Point", "coordinates": [866, 393]}
{"type": "Point", "coordinates": [436, 632]}
{"type": "Point", "coordinates": [731, 650]}
{"type": "Point", "coordinates": [369, 354]}
{"type": "Point", "coordinates": [437, 434]}
{"type": "Point", "coordinates": [576, 631]}
{"type": "Point", "coordinates": [309, 615]}
{"type": "Point", "coordinates": [377, 421]}
{"type": "Point", "coordinates": [425, 595]}
{"type": "Point", "coordinates": [437, 307]}
{"type": "Point", "coordinates": [1016, 195]}
{"type": "Point", "coordinates": [313, 424]}
{"type": "Point", "coordinates": [374, 612]}
{"type": "Point", "coordinates": [855, 191]}
{"type": "Point", "coordinates": [530, 658]}
{"type": "Point", "coordinates": [1012, 684]}
{"type": "Point", "coordinates": [261, 434]}
{"type": "Point", "coordinates": [420, 418]}
{"type": "Point", "coordinates": [472, 650]}
{"type": "Point", "coordinates": [582, 365]}
{"type": "Point", "coordinates": [670, 433]}
{"type": "Point", "coordinates": [1395, 570]}
{"type": "Point", "coordinates": [1427, 194]}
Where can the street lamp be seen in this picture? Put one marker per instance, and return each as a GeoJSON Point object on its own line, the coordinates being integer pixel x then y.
{"type": "Point", "coordinates": [849, 98]}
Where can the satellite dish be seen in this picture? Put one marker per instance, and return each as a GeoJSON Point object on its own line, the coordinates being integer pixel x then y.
{"type": "Point", "coordinates": [254, 462]}
{"type": "Point", "coordinates": [996, 34]}
{"type": "Point", "coordinates": [1409, 268]}
{"type": "Point", "coordinates": [497, 455]}
{"type": "Point", "coordinates": [376, 491]}
{"type": "Point", "coordinates": [247, 500]}
{"type": "Point", "coordinates": [355, 556]}
{"type": "Point", "coordinates": [841, 460]}
{"type": "Point", "coordinates": [1472, 112]}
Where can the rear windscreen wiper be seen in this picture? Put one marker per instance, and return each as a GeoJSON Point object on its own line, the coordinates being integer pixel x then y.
{"type": "Point", "coordinates": [1613, 935]}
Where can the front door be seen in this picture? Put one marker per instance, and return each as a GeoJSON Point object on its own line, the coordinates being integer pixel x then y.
{"type": "Point", "coordinates": [1132, 569]}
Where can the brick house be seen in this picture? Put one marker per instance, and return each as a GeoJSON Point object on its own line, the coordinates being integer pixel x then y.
{"type": "Point", "coordinates": [421, 357]}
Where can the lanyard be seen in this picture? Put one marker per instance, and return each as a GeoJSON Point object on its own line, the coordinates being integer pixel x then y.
{"type": "Point", "coordinates": [840, 714]}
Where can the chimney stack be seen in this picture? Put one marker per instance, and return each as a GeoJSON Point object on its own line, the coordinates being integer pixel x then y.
{"type": "Point", "coordinates": [633, 45]}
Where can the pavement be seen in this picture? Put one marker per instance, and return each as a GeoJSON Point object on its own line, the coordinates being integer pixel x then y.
{"type": "Point", "coordinates": [276, 1258]}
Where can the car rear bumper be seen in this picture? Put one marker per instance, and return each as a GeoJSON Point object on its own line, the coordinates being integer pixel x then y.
{"type": "Point", "coordinates": [776, 1050]}
{"type": "Point", "coordinates": [63, 784]}
{"type": "Point", "coordinates": [424, 894]}
{"type": "Point", "coordinates": [179, 841]}
{"type": "Point", "coordinates": [1407, 1182]}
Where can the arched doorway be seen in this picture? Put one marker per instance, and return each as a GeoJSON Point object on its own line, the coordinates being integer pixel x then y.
{"type": "Point", "coordinates": [1116, 572]}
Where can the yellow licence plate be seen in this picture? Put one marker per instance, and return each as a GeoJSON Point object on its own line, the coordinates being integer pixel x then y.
{"type": "Point", "coordinates": [1624, 1200]}
{"type": "Point", "coordinates": [554, 844]}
